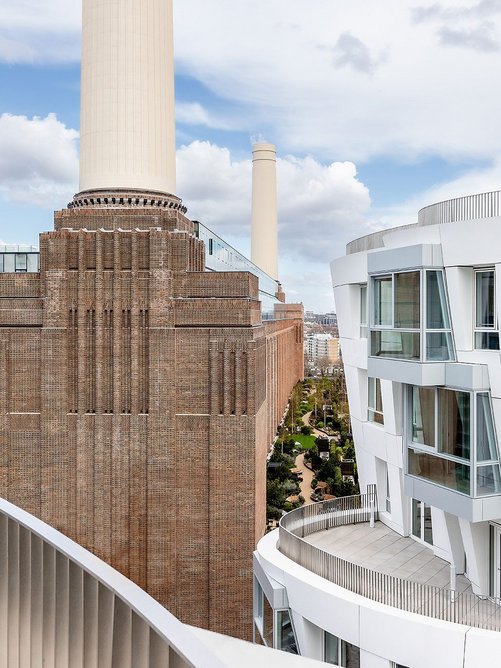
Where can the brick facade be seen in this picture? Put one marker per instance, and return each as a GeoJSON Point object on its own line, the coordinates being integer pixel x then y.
{"type": "Point", "coordinates": [139, 395]}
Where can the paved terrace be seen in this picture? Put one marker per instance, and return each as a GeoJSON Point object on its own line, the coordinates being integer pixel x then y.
{"type": "Point", "coordinates": [382, 549]}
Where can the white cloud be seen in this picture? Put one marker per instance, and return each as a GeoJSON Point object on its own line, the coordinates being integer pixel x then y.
{"type": "Point", "coordinates": [421, 98]}
{"type": "Point", "coordinates": [38, 160]}
{"type": "Point", "coordinates": [351, 51]}
{"type": "Point", "coordinates": [34, 31]}
{"type": "Point", "coordinates": [321, 207]}
{"type": "Point", "coordinates": [193, 113]}
{"type": "Point", "coordinates": [404, 93]}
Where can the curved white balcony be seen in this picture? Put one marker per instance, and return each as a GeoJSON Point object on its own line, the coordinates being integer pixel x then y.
{"type": "Point", "coordinates": [368, 563]}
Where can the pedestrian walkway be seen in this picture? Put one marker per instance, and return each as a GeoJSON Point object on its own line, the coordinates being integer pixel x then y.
{"type": "Point", "coordinates": [308, 476]}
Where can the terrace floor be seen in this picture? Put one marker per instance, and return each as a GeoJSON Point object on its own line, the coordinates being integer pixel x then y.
{"type": "Point", "coordinates": [382, 549]}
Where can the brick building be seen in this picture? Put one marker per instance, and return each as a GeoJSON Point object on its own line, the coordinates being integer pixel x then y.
{"type": "Point", "coordinates": [139, 395]}
{"type": "Point", "coordinates": [139, 392]}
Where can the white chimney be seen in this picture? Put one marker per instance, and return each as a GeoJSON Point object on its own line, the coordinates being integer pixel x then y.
{"type": "Point", "coordinates": [264, 239]}
{"type": "Point", "coordinates": [127, 102]}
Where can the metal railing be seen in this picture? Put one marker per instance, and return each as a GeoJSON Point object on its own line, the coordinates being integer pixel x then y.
{"type": "Point", "coordinates": [438, 603]}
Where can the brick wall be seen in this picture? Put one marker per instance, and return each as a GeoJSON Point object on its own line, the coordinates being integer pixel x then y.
{"type": "Point", "coordinates": [138, 398]}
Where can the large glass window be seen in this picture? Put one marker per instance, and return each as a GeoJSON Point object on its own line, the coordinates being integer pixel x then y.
{"type": "Point", "coordinates": [338, 652]}
{"type": "Point", "coordinates": [444, 472]}
{"type": "Point", "coordinates": [407, 300]}
{"type": "Point", "coordinates": [392, 343]}
{"type": "Point", "coordinates": [486, 334]}
{"type": "Point", "coordinates": [399, 328]}
{"type": "Point", "coordinates": [375, 402]}
{"type": "Point", "coordinates": [449, 433]}
{"type": "Point", "coordinates": [454, 421]}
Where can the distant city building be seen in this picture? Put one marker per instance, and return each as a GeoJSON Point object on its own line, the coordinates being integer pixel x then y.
{"type": "Point", "coordinates": [321, 318]}
{"type": "Point", "coordinates": [322, 348]}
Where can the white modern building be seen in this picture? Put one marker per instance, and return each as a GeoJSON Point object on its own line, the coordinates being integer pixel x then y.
{"type": "Point", "coordinates": [418, 309]}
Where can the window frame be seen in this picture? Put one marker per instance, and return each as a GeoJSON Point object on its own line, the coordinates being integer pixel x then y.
{"type": "Point", "coordinates": [342, 650]}
{"type": "Point", "coordinates": [481, 329]}
{"type": "Point", "coordinates": [372, 401]}
{"type": "Point", "coordinates": [422, 522]}
{"type": "Point", "coordinates": [424, 331]}
{"type": "Point", "coordinates": [435, 450]}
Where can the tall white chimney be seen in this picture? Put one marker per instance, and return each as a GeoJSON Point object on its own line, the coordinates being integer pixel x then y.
{"type": "Point", "coordinates": [264, 236]}
{"type": "Point", "coordinates": [127, 121]}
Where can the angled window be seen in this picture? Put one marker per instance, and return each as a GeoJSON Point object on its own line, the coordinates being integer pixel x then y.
{"type": "Point", "coordinates": [375, 401]}
{"type": "Point", "coordinates": [410, 317]}
{"type": "Point", "coordinates": [439, 344]}
{"type": "Point", "coordinates": [452, 441]}
{"type": "Point", "coordinates": [486, 327]}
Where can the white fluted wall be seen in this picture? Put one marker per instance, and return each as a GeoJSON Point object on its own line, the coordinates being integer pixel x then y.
{"type": "Point", "coordinates": [127, 107]}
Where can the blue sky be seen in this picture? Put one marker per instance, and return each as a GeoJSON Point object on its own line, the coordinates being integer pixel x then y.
{"type": "Point", "coordinates": [376, 107]}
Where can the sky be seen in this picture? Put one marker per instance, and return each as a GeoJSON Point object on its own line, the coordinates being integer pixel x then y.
{"type": "Point", "coordinates": [377, 108]}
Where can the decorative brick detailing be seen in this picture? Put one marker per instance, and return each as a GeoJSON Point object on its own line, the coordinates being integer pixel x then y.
{"type": "Point", "coordinates": [139, 395]}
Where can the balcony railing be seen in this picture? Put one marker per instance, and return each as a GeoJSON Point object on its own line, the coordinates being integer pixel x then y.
{"type": "Point", "coordinates": [438, 603]}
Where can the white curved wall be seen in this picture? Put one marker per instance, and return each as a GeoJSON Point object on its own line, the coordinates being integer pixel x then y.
{"type": "Point", "coordinates": [127, 109]}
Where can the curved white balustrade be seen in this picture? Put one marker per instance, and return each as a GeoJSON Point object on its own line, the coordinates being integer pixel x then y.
{"type": "Point", "coordinates": [62, 606]}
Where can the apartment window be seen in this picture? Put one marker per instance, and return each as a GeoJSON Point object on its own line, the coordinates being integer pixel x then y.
{"type": "Point", "coordinates": [488, 478]}
{"type": "Point", "coordinates": [285, 639]}
{"type": "Point", "coordinates": [439, 344]}
{"type": "Point", "coordinates": [375, 402]}
{"type": "Point", "coordinates": [410, 312]}
{"type": "Point", "coordinates": [449, 433]}
{"type": "Point", "coordinates": [1, 262]}
{"type": "Point", "coordinates": [338, 652]}
{"type": "Point", "coordinates": [363, 311]}
{"type": "Point", "coordinates": [21, 260]}
{"type": "Point", "coordinates": [421, 522]}
{"type": "Point", "coordinates": [486, 334]}
{"type": "Point", "coordinates": [396, 308]}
